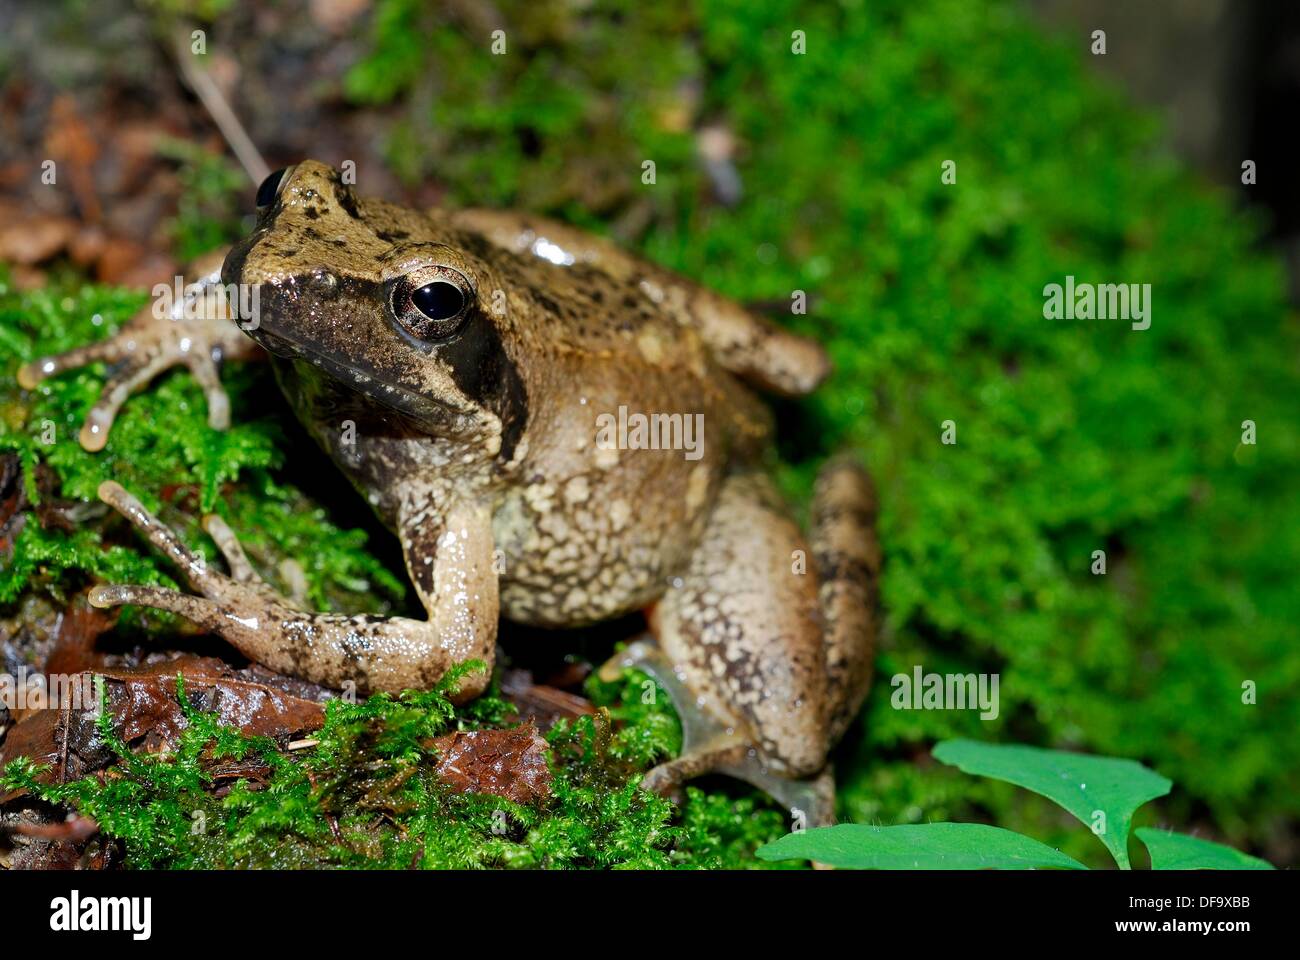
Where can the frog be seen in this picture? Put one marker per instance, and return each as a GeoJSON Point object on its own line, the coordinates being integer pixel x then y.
{"type": "Point", "coordinates": [484, 379]}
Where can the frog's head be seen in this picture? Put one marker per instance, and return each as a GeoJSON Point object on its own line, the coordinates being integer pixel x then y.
{"type": "Point", "coordinates": [385, 302]}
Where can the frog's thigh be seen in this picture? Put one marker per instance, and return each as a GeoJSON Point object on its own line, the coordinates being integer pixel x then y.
{"type": "Point", "coordinates": [743, 629]}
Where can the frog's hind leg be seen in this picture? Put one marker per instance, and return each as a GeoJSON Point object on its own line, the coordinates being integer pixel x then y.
{"type": "Point", "coordinates": [765, 646]}
{"type": "Point", "coordinates": [709, 747]}
{"type": "Point", "coordinates": [743, 656]}
{"type": "Point", "coordinates": [847, 557]}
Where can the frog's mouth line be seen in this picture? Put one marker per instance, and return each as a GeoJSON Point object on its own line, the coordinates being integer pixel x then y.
{"type": "Point", "coordinates": [424, 410]}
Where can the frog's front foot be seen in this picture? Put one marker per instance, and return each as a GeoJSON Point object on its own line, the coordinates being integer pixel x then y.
{"type": "Point", "coordinates": [197, 334]}
{"type": "Point", "coordinates": [235, 606]}
{"type": "Point", "coordinates": [368, 654]}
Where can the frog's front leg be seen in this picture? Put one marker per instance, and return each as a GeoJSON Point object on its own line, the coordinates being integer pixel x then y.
{"type": "Point", "coordinates": [449, 555]}
{"type": "Point", "coordinates": [197, 333]}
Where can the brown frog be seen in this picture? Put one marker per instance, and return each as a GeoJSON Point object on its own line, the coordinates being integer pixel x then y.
{"type": "Point", "coordinates": [559, 433]}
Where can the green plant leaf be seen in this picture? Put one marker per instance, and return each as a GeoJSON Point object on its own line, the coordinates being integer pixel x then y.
{"type": "Point", "coordinates": [1178, 851]}
{"type": "Point", "coordinates": [1084, 785]}
{"type": "Point", "coordinates": [923, 846]}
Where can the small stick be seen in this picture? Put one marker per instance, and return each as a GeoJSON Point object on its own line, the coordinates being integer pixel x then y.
{"type": "Point", "coordinates": [74, 828]}
{"type": "Point", "coordinates": [222, 115]}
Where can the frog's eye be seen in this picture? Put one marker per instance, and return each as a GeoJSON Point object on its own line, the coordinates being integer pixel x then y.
{"type": "Point", "coordinates": [440, 301]}
{"type": "Point", "coordinates": [432, 303]}
{"type": "Point", "coordinates": [270, 188]}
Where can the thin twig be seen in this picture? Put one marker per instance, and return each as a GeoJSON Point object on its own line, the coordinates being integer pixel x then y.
{"type": "Point", "coordinates": [75, 828]}
{"type": "Point", "coordinates": [222, 115]}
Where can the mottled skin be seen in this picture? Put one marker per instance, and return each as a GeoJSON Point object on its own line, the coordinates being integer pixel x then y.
{"type": "Point", "coordinates": [475, 439]}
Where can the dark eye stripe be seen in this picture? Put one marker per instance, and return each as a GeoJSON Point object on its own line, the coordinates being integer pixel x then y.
{"type": "Point", "coordinates": [484, 372]}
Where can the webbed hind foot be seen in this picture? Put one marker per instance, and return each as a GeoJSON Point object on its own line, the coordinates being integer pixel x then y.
{"type": "Point", "coordinates": [709, 747]}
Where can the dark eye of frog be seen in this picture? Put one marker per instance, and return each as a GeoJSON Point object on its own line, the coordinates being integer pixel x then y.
{"type": "Point", "coordinates": [270, 188]}
{"type": "Point", "coordinates": [431, 303]}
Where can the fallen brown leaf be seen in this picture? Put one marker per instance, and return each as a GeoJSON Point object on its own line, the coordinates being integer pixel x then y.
{"type": "Point", "coordinates": [505, 763]}
{"type": "Point", "coordinates": [12, 500]}
{"type": "Point", "coordinates": [129, 264]}
{"type": "Point", "coordinates": [69, 140]}
{"type": "Point", "coordinates": [35, 239]}
{"type": "Point", "coordinates": [74, 645]}
{"type": "Point", "coordinates": [147, 715]}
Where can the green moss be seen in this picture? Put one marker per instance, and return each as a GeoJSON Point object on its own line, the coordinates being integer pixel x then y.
{"type": "Point", "coordinates": [365, 797]}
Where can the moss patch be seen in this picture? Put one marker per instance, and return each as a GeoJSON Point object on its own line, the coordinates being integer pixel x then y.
{"type": "Point", "coordinates": [365, 797]}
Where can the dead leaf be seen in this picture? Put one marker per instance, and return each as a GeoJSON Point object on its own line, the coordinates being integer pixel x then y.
{"type": "Point", "coordinates": [12, 500]}
{"type": "Point", "coordinates": [128, 264]}
{"type": "Point", "coordinates": [255, 771]}
{"type": "Point", "coordinates": [87, 245]}
{"type": "Point", "coordinates": [337, 15]}
{"type": "Point", "coordinates": [149, 709]}
{"type": "Point", "coordinates": [74, 645]}
{"type": "Point", "coordinates": [38, 738]}
{"type": "Point", "coordinates": [35, 239]}
{"type": "Point", "coordinates": [147, 715]}
{"type": "Point", "coordinates": [69, 140]}
{"type": "Point", "coordinates": [505, 763]}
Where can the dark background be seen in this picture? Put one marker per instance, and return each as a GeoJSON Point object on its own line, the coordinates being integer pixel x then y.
{"type": "Point", "coordinates": [1224, 73]}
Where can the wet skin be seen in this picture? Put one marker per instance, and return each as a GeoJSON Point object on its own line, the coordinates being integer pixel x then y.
{"type": "Point", "coordinates": [456, 366]}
